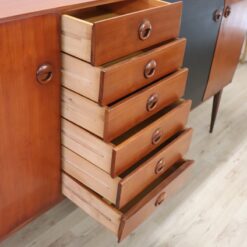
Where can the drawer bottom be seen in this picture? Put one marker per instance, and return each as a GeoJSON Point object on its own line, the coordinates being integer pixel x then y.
{"type": "Point", "coordinates": [123, 222]}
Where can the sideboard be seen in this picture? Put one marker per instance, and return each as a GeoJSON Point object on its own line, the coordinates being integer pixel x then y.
{"type": "Point", "coordinates": [31, 94]}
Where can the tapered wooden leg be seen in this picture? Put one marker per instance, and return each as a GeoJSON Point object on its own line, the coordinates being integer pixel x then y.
{"type": "Point", "coordinates": [216, 104]}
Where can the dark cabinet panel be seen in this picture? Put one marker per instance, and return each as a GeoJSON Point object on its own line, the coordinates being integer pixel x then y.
{"type": "Point", "coordinates": [201, 31]}
{"type": "Point", "coordinates": [229, 45]}
{"type": "Point", "coordinates": [29, 120]}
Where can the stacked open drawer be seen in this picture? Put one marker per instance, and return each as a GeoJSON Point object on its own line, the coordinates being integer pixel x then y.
{"type": "Point", "coordinates": [123, 119]}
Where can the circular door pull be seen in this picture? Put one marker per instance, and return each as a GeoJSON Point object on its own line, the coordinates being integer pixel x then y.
{"type": "Point", "coordinates": [150, 69]}
{"type": "Point", "coordinates": [156, 136]}
{"type": "Point", "coordinates": [145, 30]}
{"type": "Point", "coordinates": [160, 166]}
{"type": "Point", "coordinates": [227, 11]}
{"type": "Point", "coordinates": [217, 15]}
{"type": "Point", "coordinates": [160, 199]}
{"type": "Point", "coordinates": [44, 73]}
{"type": "Point", "coordinates": [152, 102]}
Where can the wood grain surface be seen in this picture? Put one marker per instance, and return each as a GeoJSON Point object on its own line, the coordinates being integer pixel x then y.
{"type": "Point", "coordinates": [136, 146]}
{"type": "Point", "coordinates": [29, 121]}
{"type": "Point", "coordinates": [131, 185]}
{"type": "Point", "coordinates": [127, 76]}
{"type": "Point", "coordinates": [228, 49]}
{"type": "Point", "coordinates": [165, 21]}
{"type": "Point", "coordinates": [131, 111]}
{"type": "Point", "coordinates": [12, 9]}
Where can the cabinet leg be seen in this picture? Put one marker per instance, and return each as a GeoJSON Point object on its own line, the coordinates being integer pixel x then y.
{"type": "Point", "coordinates": [216, 104]}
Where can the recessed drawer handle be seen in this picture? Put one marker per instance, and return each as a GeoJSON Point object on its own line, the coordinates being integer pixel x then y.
{"type": "Point", "coordinates": [160, 166]}
{"type": "Point", "coordinates": [145, 30]}
{"type": "Point", "coordinates": [217, 15]}
{"type": "Point", "coordinates": [152, 102]}
{"type": "Point", "coordinates": [150, 69]}
{"type": "Point", "coordinates": [44, 73]}
{"type": "Point", "coordinates": [156, 136]}
{"type": "Point", "coordinates": [227, 11]}
{"type": "Point", "coordinates": [160, 199]}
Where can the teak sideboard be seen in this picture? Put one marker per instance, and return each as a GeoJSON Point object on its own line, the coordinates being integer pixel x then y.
{"type": "Point", "coordinates": [94, 101]}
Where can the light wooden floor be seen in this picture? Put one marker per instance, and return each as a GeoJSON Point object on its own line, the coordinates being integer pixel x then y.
{"type": "Point", "coordinates": [210, 212]}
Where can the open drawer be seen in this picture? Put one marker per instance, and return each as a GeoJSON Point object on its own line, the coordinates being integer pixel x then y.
{"type": "Point", "coordinates": [107, 32]}
{"type": "Point", "coordinates": [123, 222]}
{"type": "Point", "coordinates": [113, 81]}
{"type": "Point", "coordinates": [120, 154]}
{"type": "Point", "coordinates": [122, 189]}
{"type": "Point", "coordinates": [109, 122]}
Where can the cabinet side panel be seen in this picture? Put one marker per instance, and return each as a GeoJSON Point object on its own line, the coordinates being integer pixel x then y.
{"type": "Point", "coordinates": [29, 121]}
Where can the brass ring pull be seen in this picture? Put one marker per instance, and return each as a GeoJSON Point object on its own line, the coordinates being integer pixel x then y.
{"type": "Point", "coordinates": [160, 166]}
{"type": "Point", "coordinates": [145, 30]}
{"type": "Point", "coordinates": [217, 15]}
{"type": "Point", "coordinates": [152, 102]}
{"type": "Point", "coordinates": [44, 73]}
{"type": "Point", "coordinates": [160, 199]}
{"type": "Point", "coordinates": [150, 68]}
{"type": "Point", "coordinates": [227, 11]}
{"type": "Point", "coordinates": [156, 136]}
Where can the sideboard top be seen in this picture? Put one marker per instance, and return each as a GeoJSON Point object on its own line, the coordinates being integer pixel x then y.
{"type": "Point", "coordinates": [14, 8]}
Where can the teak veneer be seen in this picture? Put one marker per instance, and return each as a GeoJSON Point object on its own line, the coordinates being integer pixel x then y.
{"type": "Point", "coordinates": [105, 33]}
{"type": "Point", "coordinates": [115, 80]}
{"type": "Point", "coordinates": [120, 154]}
{"type": "Point", "coordinates": [122, 189]}
{"type": "Point", "coordinates": [123, 222]}
{"type": "Point", "coordinates": [111, 121]}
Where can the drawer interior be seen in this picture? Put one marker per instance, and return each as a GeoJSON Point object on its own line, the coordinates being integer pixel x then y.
{"type": "Point", "coordinates": [104, 12]}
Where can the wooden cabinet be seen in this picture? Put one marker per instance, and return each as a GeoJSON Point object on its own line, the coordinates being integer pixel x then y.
{"type": "Point", "coordinates": [29, 119]}
{"type": "Point", "coordinates": [123, 156]}
{"type": "Point", "coordinates": [229, 45]}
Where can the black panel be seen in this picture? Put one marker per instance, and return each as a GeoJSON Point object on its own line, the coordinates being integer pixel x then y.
{"type": "Point", "coordinates": [201, 32]}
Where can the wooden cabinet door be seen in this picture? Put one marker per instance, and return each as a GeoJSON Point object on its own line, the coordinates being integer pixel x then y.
{"type": "Point", "coordinates": [29, 120]}
{"type": "Point", "coordinates": [229, 45]}
{"type": "Point", "coordinates": [201, 31]}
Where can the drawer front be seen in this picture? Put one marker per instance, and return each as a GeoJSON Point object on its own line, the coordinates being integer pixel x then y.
{"type": "Point", "coordinates": [129, 112]}
{"type": "Point", "coordinates": [126, 77]}
{"type": "Point", "coordinates": [131, 185]}
{"type": "Point", "coordinates": [156, 197]}
{"type": "Point", "coordinates": [149, 138]}
{"type": "Point", "coordinates": [117, 37]}
{"type": "Point", "coordinates": [123, 222]}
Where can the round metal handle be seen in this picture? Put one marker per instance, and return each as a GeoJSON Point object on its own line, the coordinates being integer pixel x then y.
{"type": "Point", "coordinates": [227, 11]}
{"type": "Point", "coordinates": [160, 199]}
{"type": "Point", "coordinates": [160, 166]}
{"type": "Point", "coordinates": [217, 15]}
{"type": "Point", "coordinates": [150, 68]}
{"type": "Point", "coordinates": [145, 30]}
{"type": "Point", "coordinates": [152, 102]}
{"type": "Point", "coordinates": [44, 73]}
{"type": "Point", "coordinates": [156, 136]}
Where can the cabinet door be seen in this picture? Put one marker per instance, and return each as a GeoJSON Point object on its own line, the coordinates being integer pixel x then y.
{"type": "Point", "coordinates": [228, 48]}
{"type": "Point", "coordinates": [201, 32]}
{"type": "Point", "coordinates": [29, 120]}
